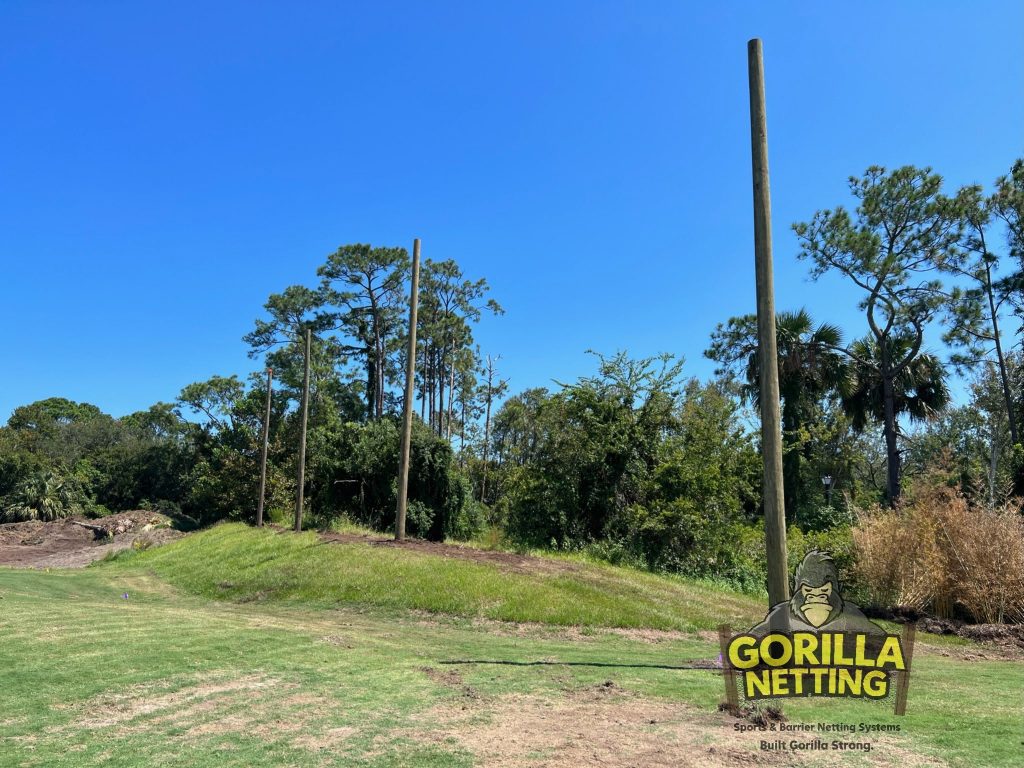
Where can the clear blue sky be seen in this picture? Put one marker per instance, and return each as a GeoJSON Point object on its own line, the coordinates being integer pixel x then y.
{"type": "Point", "coordinates": [166, 166]}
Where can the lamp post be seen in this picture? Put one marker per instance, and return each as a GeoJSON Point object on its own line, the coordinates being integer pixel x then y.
{"type": "Point", "coordinates": [826, 480]}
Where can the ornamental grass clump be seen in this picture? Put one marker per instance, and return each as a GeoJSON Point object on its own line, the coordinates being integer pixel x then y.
{"type": "Point", "coordinates": [939, 553]}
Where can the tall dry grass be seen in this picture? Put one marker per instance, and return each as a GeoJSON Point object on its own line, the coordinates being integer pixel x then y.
{"type": "Point", "coordinates": [940, 554]}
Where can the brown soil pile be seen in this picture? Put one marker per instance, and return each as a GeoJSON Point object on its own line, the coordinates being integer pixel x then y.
{"type": "Point", "coordinates": [76, 542]}
{"type": "Point", "coordinates": [1005, 635]}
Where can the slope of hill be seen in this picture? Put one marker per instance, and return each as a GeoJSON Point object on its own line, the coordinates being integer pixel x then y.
{"type": "Point", "coordinates": [239, 563]}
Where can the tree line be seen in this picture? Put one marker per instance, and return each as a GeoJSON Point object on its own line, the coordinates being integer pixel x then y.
{"type": "Point", "coordinates": [636, 461]}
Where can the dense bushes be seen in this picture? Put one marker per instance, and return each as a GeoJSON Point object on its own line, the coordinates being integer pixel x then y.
{"type": "Point", "coordinates": [60, 458]}
{"type": "Point", "coordinates": [632, 466]}
{"type": "Point", "coordinates": [358, 479]}
{"type": "Point", "coordinates": [635, 466]}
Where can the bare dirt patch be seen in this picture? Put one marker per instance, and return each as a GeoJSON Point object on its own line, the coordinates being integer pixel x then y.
{"type": "Point", "coordinates": [605, 725]}
{"type": "Point", "coordinates": [254, 705]}
{"type": "Point", "coordinates": [116, 709]}
{"type": "Point", "coordinates": [996, 641]}
{"type": "Point", "coordinates": [76, 542]}
{"type": "Point", "coordinates": [982, 651]}
{"type": "Point", "coordinates": [451, 678]}
{"type": "Point", "coordinates": [330, 739]}
{"type": "Point", "coordinates": [509, 562]}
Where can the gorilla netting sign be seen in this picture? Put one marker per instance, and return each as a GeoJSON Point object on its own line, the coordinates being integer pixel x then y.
{"type": "Point", "coordinates": [817, 644]}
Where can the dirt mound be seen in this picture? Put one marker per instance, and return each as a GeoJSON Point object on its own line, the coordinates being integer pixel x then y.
{"type": "Point", "coordinates": [998, 634]}
{"type": "Point", "coordinates": [76, 542]}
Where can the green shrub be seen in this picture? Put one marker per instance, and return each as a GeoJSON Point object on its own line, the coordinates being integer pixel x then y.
{"type": "Point", "coordinates": [825, 518]}
{"type": "Point", "coordinates": [359, 481]}
{"type": "Point", "coordinates": [419, 517]}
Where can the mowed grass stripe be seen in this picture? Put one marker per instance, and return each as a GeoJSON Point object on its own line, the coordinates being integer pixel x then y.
{"type": "Point", "coordinates": [89, 700]}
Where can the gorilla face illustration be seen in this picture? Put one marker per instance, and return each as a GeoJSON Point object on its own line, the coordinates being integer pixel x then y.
{"type": "Point", "coordinates": [816, 598]}
{"type": "Point", "coordinates": [817, 604]}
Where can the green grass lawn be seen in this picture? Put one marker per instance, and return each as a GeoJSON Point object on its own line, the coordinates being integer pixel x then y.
{"type": "Point", "coordinates": [238, 647]}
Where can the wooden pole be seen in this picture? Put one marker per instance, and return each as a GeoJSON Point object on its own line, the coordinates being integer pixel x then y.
{"type": "Point", "coordinates": [771, 429]}
{"type": "Point", "coordinates": [263, 450]}
{"type": "Point", "coordinates": [909, 633]}
{"type": "Point", "coordinates": [302, 437]}
{"type": "Point", "coordinates": [487, 428]}
{"type": "Point", "coordinates": [732, 698]}
{"type": "Point", "coordinates": [410, 374]}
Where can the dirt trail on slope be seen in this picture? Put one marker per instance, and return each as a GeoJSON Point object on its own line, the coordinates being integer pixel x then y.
{"type": "Point", "coordinates": [507, 561]}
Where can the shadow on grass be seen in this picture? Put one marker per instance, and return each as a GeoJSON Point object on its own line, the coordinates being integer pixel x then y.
{"type": "Point", "coordinates": [707, 666]}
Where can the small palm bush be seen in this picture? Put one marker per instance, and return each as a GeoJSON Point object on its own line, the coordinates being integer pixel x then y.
{"type": "Point", "coordinates": [44, 495]}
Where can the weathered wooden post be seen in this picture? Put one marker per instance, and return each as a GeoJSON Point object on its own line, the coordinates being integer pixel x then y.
{"type": "Point", "coordinates": [771, 428]}
{"type": "Point", "coordinates": [909, 633]}
{"type": "Point", "coordinates": [302, 436]}
{"type": "Point", "coordinates": [732, 698]}
{"type": "Point", "coordinates": [410, 373]}
{"type": "Point", "coordinates": [263, 450]}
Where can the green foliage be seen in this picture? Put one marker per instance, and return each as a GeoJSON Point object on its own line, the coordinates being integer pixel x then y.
{"type": "Point", "coordinates": [824, 517]}
{"type": "Point", "coordinates": [683, 537]}
{"type": "Point", "coordinates": [44, 495]}
{"type": "Point", "coordinates": [47, 416]}
{"type": "Point", "coordinates": [87, 462]}
{"type": "Point", "coordinates": [633, 466]}
{"type": "Point", "coordinates": [367, 284]}
{"type": "Point", "coordinates": [811, 368]}
{"type": "Point", "coordinates": [596, 445]}
{"type": "Point", "coordinates": [1008, 205]}
{"type": "Point", "coordinates": [902, 230]}
{"type": "Point", "coordinates": [356, 476]}
{"type": "Point", "coordinates": [918, 388]}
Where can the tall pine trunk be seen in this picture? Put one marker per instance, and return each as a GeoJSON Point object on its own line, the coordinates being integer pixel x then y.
{"type": "Point", "coordinates": [451, 398]}
{"type": "Point", "coordinates": [441, 383]}
{"type": "Point", "coordinates": [462, 436]}
{"type": "Point", "coordinates": [1004, 378]}
{"type": "Point", "coordinates": [891, 429]}
{"type": "Point", "coordinates": [790, 458]}
{"type": "Point", "coordinates": [487, 444]}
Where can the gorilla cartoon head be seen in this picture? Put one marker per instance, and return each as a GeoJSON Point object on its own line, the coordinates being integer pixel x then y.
{"type": "Point", "coordinates": [816, 598]}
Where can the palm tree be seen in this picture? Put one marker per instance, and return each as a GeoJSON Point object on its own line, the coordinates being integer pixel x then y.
{"type": "Point", "coordinates": [918, 390]}
{"type": "Point", "coordinates": [811, 365]}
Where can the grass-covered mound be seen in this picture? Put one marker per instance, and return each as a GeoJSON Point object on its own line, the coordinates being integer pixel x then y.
{"type": "Point", "coordinates": [239, 563]}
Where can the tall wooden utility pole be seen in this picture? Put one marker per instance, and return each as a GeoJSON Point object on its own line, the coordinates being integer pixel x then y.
{"type": "Point", "coordinates": [487, 427]}
{"type": "Point", "coordinates": [263, 450]}
{"type": "Point", "coordinates": [410, 373]}
{"type": "Point", "coordinates": [302, 436]}
{"type": "Point", "coordinates": [771, 428]}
